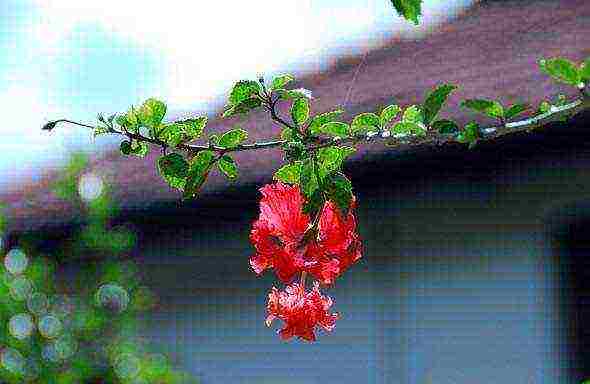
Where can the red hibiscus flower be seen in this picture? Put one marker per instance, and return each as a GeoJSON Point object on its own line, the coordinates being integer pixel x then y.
{"type": "Point", "coordinates": [278, 234]}
{"type": "Point", "coordinates": [301, 311]}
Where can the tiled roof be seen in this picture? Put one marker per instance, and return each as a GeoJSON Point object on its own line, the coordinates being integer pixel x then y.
{"type": "Point", "coordinates": [491, 51]}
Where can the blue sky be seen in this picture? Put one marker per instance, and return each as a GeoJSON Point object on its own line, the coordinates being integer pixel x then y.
{"type": "Point", "coordinates": [73, 59]}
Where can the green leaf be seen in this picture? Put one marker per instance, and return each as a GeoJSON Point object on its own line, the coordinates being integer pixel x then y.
{"type": "Point", "coordinates": [300, 111]}
{"type": "Point", "coordinates": [409, 9]}
{"type": "Point", "coordinates": [308, 179]}
{"type": "Point", "coordinates": [413, 114]}
{"type": "Point", "coordinates": [293, 94]}
{"type": "Point", "coordinates": [243, 90]}
{"type": "Point", "coordinates": [233, 138]}
{"type": "Point", "coordinates": [544, 107]}
{"type": "Point", "coordinates": [289, 173]}
{"type": "Point", "coordinates": [151, 113]}
{"type": "Point", "coordinates": [172, 134]}
{"type": "Point", "coordinates": [193, 128]}
{"type": "Point", "coordinates": [330, 159]}
{"type": "Point", "coordinates": [408, 128]}
{"type": "Point", "coordinates": [228, 167]}
{"type": "Point", "coordinates": [562, 70]}
{"type": "Point", "coordinates": [469, 135]}
{"type": "Point", "coordinates": [445, 126]}
{"type": "Point", "coordinates": [435, 100]}
{"type": "Point", "coordinates": [101, 129]}
{"type": "Point", "coordinates": [243, 107]}
{"type": "Point", "coordinates": [365, 122]}
{"type": "Point", "coordinates": [139, 148]}
{"type": "Point", "coordinates": [388, 113]}
{"type": "Point", "coordinates": [489, 107]}
{"type": "Point", "coordinates": [515, 110]}
{"type": "Point", "coordinates": [125, 147]}
{"type": "Point", "coordinates": [335, 128]}
{"type": "Point", "coordinates": [174, 169]}
{"type": "Point", "coordinates": [318, 121]}
{"type": "Point", "coordinates": [280, 81]}
{"type": "Point", "coordinates": [585, 70]}
{"type": "Point", "coordinates": [340, 192]}
{"type": "Point", "coordinates": [199, 168]}
{"type": "Point", "coordinates": [287, 134]}
{"type": "Point", "coordinates": [314, 203]}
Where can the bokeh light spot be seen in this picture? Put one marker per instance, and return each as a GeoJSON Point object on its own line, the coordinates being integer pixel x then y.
{"type": "Point", "coordinates": [113, 297]}
{"type": "Point", "coordinates": [21, 326]}
{"type": "Point", "coordinates": [12, 360]}
{"type": "Point", "coordinates": [127, 366]}
{"type": "Point", "coordinates": [90, 186]}
{"type": "Point", "coordinates": [50, 326]}
{"type": "Point", "coordinates": [16, 261]}
{"type": "Point", "coordinates": [38, 303]}
{"type": "Point", "coordinates": [21, 288]}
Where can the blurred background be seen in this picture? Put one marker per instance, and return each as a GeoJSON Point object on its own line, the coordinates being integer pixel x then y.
{"type": "Point", "coordinates": [474, 261]}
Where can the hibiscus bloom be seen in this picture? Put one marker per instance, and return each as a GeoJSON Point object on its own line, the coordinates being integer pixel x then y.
{"type": "Point", "coordinates": [278, 237]}
{"type": "Point", "coordinates": [300, 311]}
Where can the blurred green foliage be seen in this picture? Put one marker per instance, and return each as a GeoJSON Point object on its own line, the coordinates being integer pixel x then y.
{"type": "Point", "coordinates": [89, 334]}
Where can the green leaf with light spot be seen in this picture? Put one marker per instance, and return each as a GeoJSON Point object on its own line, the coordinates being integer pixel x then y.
{"type": "Point", "coordinates": [562, 70]}
{"type": "Point", "coordinates": [233, 138]}
{"type": "Point", "coordinates": [289, 173]}
{"type": "Point", "coordinates": [300, 111]}
{"type": "Point", "coordinates": [174, 169]}
{"type": "Point", "coordinates": [280, 81]}
{"type": "Point", "coordinates": [228, 167]}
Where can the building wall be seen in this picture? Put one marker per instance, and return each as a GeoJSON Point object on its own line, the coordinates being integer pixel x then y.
{"type": "Point", "coordinates": [459, 279]}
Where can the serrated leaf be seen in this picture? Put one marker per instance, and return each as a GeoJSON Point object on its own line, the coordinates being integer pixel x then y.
{"type": "Point", "coordinates": [289, 173]}
{"type": "Point", "coordinates": [445, 126]}
{"type": "Point", "coordinates": [388, 113]}
{"type": "Point", "coordinates": [243, 90]}
{"type": "Point", "coordinates": [228, 167]}
{"type": "Point", "coordinates": [174, 169]}
{"type": "Point", "coordinates": [544, 106]}
{"type": "Point", "coordinates": [232, 138]}
{"type": "Point", "coordinates": [489, 107]}
{"type": "Point", "coordinates": [365, 122]}
{"type": "Point", "coordinates": [308, 179]}
{"type": "Point", "coordinates": [151, 113]}
{"type": "Point", "coordinates": [172, 134]}
{"type": "Point", "coordinates": [469, 135]}
{"type": "Point", "coordinates": [435, 100]}
{"type": "Point", "coordinates": [280, 81]}
{"type": "Point", "coordinates": [100, 130]}
{"type": "Point", "coordinates": [560, 69]}
{"type": "Point", "coordinates": [409, 9]}
{"type": "Point", "coordinates": [330, 159]}
{"type": "Point", "coordinates": [199, 168]}
{"type": "Point", "coordinates": [300, 111]}
{"type": "Point", "coordinates": [408, 128]}
{"type": "Point", "coordinates": [585, 70]}
{"type": "Point", "coordinates": [139, 148]}
{"type": "Point", "coordinates": [515, 110]}
{"type": "Point", "coordinates": [335, 128]}
{"type": "Point", "coordinates": [413, 114]}
{"type": "Point", "coordinates": [125, 147]}
{"type": "Point", "coordinates": [243, 107]}
{"type": "Point", "coordinates": [287, 134]}
{"type": "Point", "coordinates": [294, 94]}
{"type": "Point", "coordinates": [193, 128]}
{"type": "Point", "coordinates": [317, 121]}
{"type": "Point", "coordinates": [340, 192]}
